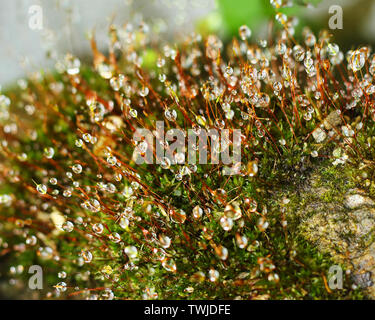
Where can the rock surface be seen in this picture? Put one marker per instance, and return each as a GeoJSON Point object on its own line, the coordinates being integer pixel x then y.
{"type": "Point", "coordinates": [342, 226]}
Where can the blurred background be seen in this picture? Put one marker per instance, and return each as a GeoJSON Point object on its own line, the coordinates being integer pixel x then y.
{"type": "Point", "coordinates": [66, 24]}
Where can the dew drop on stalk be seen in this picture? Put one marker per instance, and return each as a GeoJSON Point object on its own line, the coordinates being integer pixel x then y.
{"type": "Point", "coordinates": [281, 18]}
{"type": "Point", "coordinates": [107, 294]}
{"type": "Point", "coordinates": [314, 153]}
{"type": "Point", "coordinates": [164, 241]}
{"type": "Point", "coordinates": [162, 77]}
{"type": "Point", "coordinates": [244, 32]}
{"type": "Point", "coordinates": [319, 135]}
{"type": "Point", "coordinates": [213, 275]}
{"type": "Point", "coordinates": [277, 86]}
{"type": "Point", "coordinates": [228, 71]}
{"type": "Point", "coordinates": [79, 143]}
{"type": "Point", "coordinates": [298, 53]}
{"type": "Point", "coordinates": [170, 114]}
{"type": "Point", "coordinates": [41, 188]}
{"type": "Point", "coordinates": [127, 192]}
{"type": "Point", "coordinates": [77, 168]}
{"type": "Point", "coordinates": [67, 193]}
{"type": "Point", "coordinates": [241, 241]}
{"type": "Point", "coordinates": [357, 60]}
{"type": "Point", "coordinates": [23, 156]}
{"type": "Point", "coordinates": [68, 226]}
{"type": "Point", "coordinates": [87, 256]}
{"type": "Point", "coordinates": [233, 212]}
{"type": "Point", "coordinates": [226, 223]}
{"type": "Point", "coordinates": [198, 277]}
{"type": "Point", "coordinates": [197, 212]}
{"type": "Point", "coordinates": [131, 252]}
{"type": "Point", "coordinates": [310, 39]}
{"type": "Point", "coordinates": [165, 163]}
{"type": "Point", "coordinates": [133, 113]}
{"type": "Point", "coordinates": [115, 237]}
{"type": "Point", "coordinates": [276, 3]}
{"type": "Point", "coordinates": [32, 240]}
{"type": "Point", "coordinates": [144, 92]}
{"type": "Point", "coordinates": [201, 120]}
{"type": "Point", "coordinates": [49, 152]}
{"type": "Point", "coordinates": [160, 62]}
{"type": "Point", "coordinates": [97, 228]}
{"type": "Point", "coordinates": [169, 265]}
{"type": "Point", "coordinates": [221, 252]}
{"type": "Point", "coordinates": [308, 63]}
{"type": "Point", "coordinates": [333, 49]}
{"type": "Point", "coordinates": [111, 160]}
{"type": "Point", "coordinates": [262, 224]}
{"type": "Point", "coordinates": [72, 64]}
{"type": "Point", "coordinates": [117, 82]}
{"type": "Point", "coordinates": [105, 71]}
{"type": "Point", "coordinates": [124, 223]}
{"type": "Point", "coordinates": [60, 287]}
{"type": "Point", "coordinates": [220, 124]}
{"type": "Point", "coordinates": [178, 216]}
{"type": "Point", "coordinates": [87, 137]}
{"type": "Point", "coordinates": [229, 115]}
{"type": "Point", "coordinates": [213, 46]}
{"type": "Point", "coordinates": [251, 204]}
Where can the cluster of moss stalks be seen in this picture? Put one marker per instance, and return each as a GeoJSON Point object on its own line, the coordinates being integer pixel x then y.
{"type": "Point", "coordinates": [74, 201]}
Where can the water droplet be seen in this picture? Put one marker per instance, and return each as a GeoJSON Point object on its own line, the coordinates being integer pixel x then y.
{"type": "Point", "coordinates": [79, 143]}
{"type": "Point", "coordinates": [128, 191]}
{"type": "Point", "coordinates": [241, 241]}
{"type": "Point", "coordinates": [213, 275]}
{"type": "Point", "coordinates": [60, 287]}
{"type": "Point", "coordinates": [49, 152]}
{"type": "Point", "coordinates": [68, 226]}
{"type": "Point", "coordinates": [244, 32]}
{"type": "Point", "coordinates": [97, 228]}
{"type": "Point", "coordinates": [164, 241]}
{"type": "Point", "coordinates": [226, 223]}
{"type": "Point", "coordinates": [77, 168]}
{"type": "Point", "coordinates": [124, 223]}
{"type": "Point", "coordinates": [170, 114]}
{"type": "Point", "coordinates": [41, 188]}
{"type": "Point", "coordinates": [31, 240]}
{"type": "Point", "coordinates": [197, 212]}
{"type": "Point", "coordinates": [165, 163]}
{"type": "Point", "coordinates": [111, 160]}
{"type": "Point", "coordinates": [144, 92]}
{"type": "Point", "coordinates": [357, 60]}
{"type": "Point", "coordinates": [131, 252]}
{"type": "Point", "coordinates": [221, 252]}
{"type": "Point", "coordinates": [87, 256]}
{"type": "Point", "coordinates": [115, 237]}
{"type": "Point", "coordinates": [169, 265]}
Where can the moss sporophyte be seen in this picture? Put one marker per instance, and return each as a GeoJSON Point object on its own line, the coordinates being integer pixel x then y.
{"type": "Point", "coordinates": [75, 201]}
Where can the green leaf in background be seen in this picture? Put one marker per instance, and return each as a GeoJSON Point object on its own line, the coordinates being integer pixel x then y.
{"type": "Point", "coordinates": [307, 2]}
{"type": "Point", "coordinates": [255, 13]}
{"type": "Point", "coordinates": [252, 13]}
